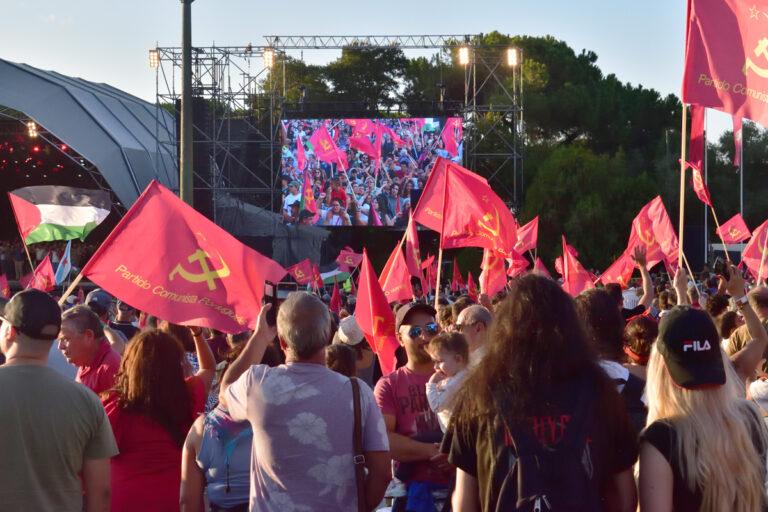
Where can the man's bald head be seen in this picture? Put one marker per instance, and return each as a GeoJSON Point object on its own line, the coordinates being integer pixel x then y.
{"type": "Point", "coordinates": [758, 299]}
{"type": "Point", "coordinates": [475, 314]}
{"type": "Point", "coordinates": [304, 324]}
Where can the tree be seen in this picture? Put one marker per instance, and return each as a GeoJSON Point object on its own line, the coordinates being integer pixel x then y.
{"type": "Point", "coordinates": [367, 74]}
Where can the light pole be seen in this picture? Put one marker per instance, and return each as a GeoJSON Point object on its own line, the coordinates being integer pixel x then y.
{"type": "Point", "coordinates": [185, 151]}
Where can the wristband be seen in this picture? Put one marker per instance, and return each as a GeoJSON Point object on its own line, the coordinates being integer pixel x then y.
{"type": "Point", "coordinates": [741, 301]}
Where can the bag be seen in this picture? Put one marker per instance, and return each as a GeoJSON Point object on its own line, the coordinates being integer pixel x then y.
{"type": "Point", "coordinates": [633, 400]}
{"type": "Point", "coordinates": [558, 478]}
{"type": "Point", "coordinates": [357, 441]}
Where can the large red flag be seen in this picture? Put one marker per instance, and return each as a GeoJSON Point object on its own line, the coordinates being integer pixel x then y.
{"type": "Point", "coordinates": [734, 230]}
{"type": "Point", "coordinates": [575, 278]}
{"type": "Point", "coordinates": [726, 57]}
{"type": "Point", "coordinates": [349, 258]}
{"type": "Point", "coordinates": [450, 139]}
{"type": "Point", "coordinates": [528, 236]}
{"type": "Point", "coordinates": [5, 289]}
{"type": "Point", "coordinates": [539, 268]}
{"type": "Point", "coordinates": [653, 229]}
{"type": "Point", "coordinates": [756, 251]}
{"type": "Point", "coordinates": [43, 278]}
{"type": "Point", "coordinates": [375, 318]}
{"type": "Point", "coordinates": [335, 304]}
{"type": "Point", "coordinates": [326, 149]}
{"type": "Point", "coordinates": [395, 279]}
{"type": "Point", "coordinates": [472, 215]}
{"type": "Point", "coordinates": [738, 136]}
{"type": "Point", "coordinates": [471, 287]}
{"type": "Point", "coordinates": [457, 282]}
{"type": "Point", "coordinates": [696, 145]}
{"type": "Point", "coordinates": [198, 274]}
{"type": "Point", "coordinates": [620, 270]}
{"type": "Point", "coordinates": [360, 126]}
{"type": "Point", "coordinates": [301, 157]}
{"type": "Point", "coordinates": [363, 144]}
{"type": "Point", "coordinates": [493, 277]}
{"type": "Point", "coordinates": [302, 272]}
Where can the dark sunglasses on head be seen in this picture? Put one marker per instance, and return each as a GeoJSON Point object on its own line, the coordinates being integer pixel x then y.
{"type": "Point", "coordinates": [431, 328]}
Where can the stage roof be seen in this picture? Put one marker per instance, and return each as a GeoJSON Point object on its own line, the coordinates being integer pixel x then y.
{"type": "Point", "coordinates": [122, 135]}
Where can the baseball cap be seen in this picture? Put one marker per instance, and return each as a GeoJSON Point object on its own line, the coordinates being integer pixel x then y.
{"type": "Point", "coordinates": [690, 345]}
{"type": "Point", "coordinates": [99, 301]}
{"type": "Point", "coordinates": [34, 313]}
{"type": "Point", "coordinates": [349, 331]}
{"type": "Point", "coordinates": [412, 307]}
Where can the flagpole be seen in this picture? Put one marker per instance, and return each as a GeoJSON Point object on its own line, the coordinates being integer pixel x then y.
{"type": "Point", "coordinates": [719, 232]}
{"type": "Point", "coordinates": [442, 229]}
{"type": "Point", "coordinates": [706, 179]}
{"type": "Point", "coordinates": [71, 288]}
{"type": "Point", "coordinates": [693, 278]}
{"type": "Point", "coordinates": [681, 222]}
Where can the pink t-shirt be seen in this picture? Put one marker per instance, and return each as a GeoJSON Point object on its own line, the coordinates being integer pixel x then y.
{"type": "Point", "coordinates": [99, 376]}
{"type": "Point", "coordinates": [403, 394]}
{"type": "Point", "coordinates": [146, 475]}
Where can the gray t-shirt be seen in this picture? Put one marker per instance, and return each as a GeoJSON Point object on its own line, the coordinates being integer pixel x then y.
{"type": "Point", "coordinates": [48, 426]}
{"type": "Point", "coordinates": [302, 421]}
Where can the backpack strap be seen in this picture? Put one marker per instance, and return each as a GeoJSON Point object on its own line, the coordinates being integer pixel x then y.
{"type": "Point", "coordinates": [357, 441]}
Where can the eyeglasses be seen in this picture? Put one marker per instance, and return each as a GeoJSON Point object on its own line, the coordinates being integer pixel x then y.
{"type": "Point", "coordinates": [461, 327]}
{"type": "Point", "coordinates": [431, 329]}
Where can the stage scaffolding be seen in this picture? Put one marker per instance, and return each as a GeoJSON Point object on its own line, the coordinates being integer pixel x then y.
{"type": "Point", "coordinates": [238, 137]}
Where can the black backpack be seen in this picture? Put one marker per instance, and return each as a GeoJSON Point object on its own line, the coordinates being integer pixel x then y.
{"type": "Point", "coordinates": [558, 478]}
{"type": "Point", "coordinates": [633, 400]}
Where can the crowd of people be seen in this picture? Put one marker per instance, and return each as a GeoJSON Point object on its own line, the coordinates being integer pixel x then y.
{"type": "Point", "coordinates": [14, 263]}
{"type": "Point", "coordinates": [529, 400]}
{"type": "Point", "coordinates": [350, 196]}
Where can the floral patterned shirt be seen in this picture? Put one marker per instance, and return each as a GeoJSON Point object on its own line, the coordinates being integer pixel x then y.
{"type": "Point", "coordinates": [302, 420]}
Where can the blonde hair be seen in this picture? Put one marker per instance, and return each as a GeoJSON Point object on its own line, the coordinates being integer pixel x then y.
{"type": "Point", "coordinates": [715, 444]}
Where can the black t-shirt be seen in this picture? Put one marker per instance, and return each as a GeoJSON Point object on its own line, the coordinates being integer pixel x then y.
{"type": "Point", "coordinates": [128, 329]}
{"type": "Point", "coordinates": [484, 450]}
{"type": "Point", "coordinates": [629, 313]}
{"type": "Point", "coordinates": [663, 436]}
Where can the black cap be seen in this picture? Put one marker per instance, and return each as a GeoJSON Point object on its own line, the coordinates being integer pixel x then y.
{"type": "Point", "coordinates": [690, 344]}
{"type": "Point", "coordinates": [35, 314]}
{"type": "Point", "coordinates": [304, 214]}
{"type": "Point", "coordinates": [412, 307]}
{"type": "Point", "coordinates": [99, 301]}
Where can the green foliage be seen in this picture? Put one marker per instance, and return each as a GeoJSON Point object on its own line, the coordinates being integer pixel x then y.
{"type": "Point", "coordinates": [369, 74]}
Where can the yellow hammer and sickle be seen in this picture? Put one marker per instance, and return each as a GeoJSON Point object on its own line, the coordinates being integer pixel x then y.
{"type": "Point", "coordinates": [646, 236]}
{"type": "Point", "coordinates": [325, 144]}
{"type": "Point", "coordinates": [734, 232]}
{"type": "Point", "coordinates": [760, 50]}
{"type": "Point", "coordinates": [349, 261]}
{"type": "Point", "coordinates": [488, 217]}
{"type": "Point", "coordinates": [299, 273]}
{"type": "Point", "coordinates": [377, 325]}
{"type": "Point", "coordinates": [207, 275]}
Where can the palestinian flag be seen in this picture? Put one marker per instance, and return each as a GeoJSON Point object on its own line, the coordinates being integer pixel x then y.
{"type": "Point", "coordinates": [46, 213]}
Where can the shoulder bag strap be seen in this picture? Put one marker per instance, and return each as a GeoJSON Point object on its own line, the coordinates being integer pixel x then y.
{"type": "Point", "coordinates": [357, 439]}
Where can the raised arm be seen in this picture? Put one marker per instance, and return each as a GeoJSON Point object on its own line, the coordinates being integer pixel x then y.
{"type": "Point", "coordinates": [746, 360]}
{"type": "Point", "coordinates": [639, 257]}
{"type": "Point", "coordinates": [205, 358]}
{"type": "Point", "coordinates": [680, 285]}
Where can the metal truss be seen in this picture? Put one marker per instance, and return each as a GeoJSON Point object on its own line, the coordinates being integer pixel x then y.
{"type": "Point", "coordinates": [340, 42]}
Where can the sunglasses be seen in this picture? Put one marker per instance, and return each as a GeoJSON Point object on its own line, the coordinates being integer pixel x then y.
{"type": "Point", "coordinates": [431, 328]}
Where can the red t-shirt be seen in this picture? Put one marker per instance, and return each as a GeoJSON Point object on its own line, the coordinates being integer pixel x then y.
{"type": "Point", "coordinates": [339, 195]}
{"type": "Point", "coordinates": [100, 375]}
{"type": "Point", "coordinates": [146, 475]}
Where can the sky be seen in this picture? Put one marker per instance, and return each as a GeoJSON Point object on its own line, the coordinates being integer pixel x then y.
{"type": "Point", "coordinates": [108, 41]}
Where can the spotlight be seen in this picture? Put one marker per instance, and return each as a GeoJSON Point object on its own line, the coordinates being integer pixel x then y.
{"type": "Point", "coordinates": [154, 58]}
{"type": "Point", "coordinates": [512, 57]}
{"type": "Point", "coordinates": [464, 55]}
{"type": "Point", "coordinates": [32, 129]}
{"type": "Point", "coordinates": [269, 58]}
{"type": "Point", "coordinates": [35, 149]}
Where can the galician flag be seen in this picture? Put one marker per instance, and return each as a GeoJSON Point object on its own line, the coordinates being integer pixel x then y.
{"type": "Point", "coordinates": [51, 212]}
{"type": "Point", "coordinates": [65, 264]}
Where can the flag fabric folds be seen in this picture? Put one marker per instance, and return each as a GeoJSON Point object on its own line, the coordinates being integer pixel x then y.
{"type": "Point", "coordinates": [734, 230]}
{"type": "Point", "coordinates": [652, 228]}
{"type": "Point", "coordinates": [528, 236]}
{"type": "Point", "coordinates": [696, 145]}
{"type": "Point", "coordinates": [301, 157]}
{"type": "Point", "coordinates": [325, 148]}
{"type": "Point", "coordinates": [50, 212]}
{"type": "Point", "coordinates": [375, 317]}
{"type": "Point", "coordinates": [395, 278]}
{"type": "Point", "coordinates": [493, 277]}
{"type": "Point", "coordinates": [738, 136]}
{"type": "Point", "coordinates": [413, 253]}
{"type": "Point", "coordinates": [457, 282]}
{"type": "Point", "coordinates": [702, 192]}
{"type": "Point", "coordinates": [335, 304]}
{"type": "Point", "coordinates": [539, 268]}
{"type": "Point", "coordinates": [308, 196]}
{"type": "Point", "coordinates": [5, 289]}
{"type": "Point", "coordinates": [198, 274]}
{"type": "Point", "coordinates": [756, 252]}
{"type": "Point", "coordinates": [302, 272]}
{"type": "Point", "coordinates": [620, 270]}
{"type": "Point", "coordinates": [349, 258]}
{"type": "Point", "coordinates": [517, 265]}
{"type": "Point", "coordinates": [575, 278]}
{"type": "Point", "coordinates": [65, 264]}
{"type": "Point", "coordinates": [726, 57]}
{"type": "Point", "coordinates": [471, 287]}
{"type": "Point", "coordinates": [42, 278]}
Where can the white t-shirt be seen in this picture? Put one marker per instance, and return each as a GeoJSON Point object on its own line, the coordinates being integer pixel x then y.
{"type": "Point", "coordinates": [289, 200]}
{"type": "Point", "coordinates": [302, 420]}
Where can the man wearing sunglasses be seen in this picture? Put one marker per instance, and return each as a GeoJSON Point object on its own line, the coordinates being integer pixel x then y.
{"type": "Point", "coordinates": [413, 429]}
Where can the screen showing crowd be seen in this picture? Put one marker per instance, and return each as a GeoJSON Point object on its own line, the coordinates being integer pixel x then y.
{"type": "Point", "coordinates": [361, 172]}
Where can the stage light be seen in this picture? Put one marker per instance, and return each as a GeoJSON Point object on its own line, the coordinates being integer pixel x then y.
{"type": "Point", "coordinates": [63, 147]}
{"type": "Point", "coordinates": [32, 129]}
{"type": "Point", "coordinates": [154, 58]}
{"type": "Point", "coordinates": [512, 57]}
{"type": "Point", "coordinates": [464, 55]}
{"type": "Point", "coordinates": [35, 149]}
{"type": "Point", "coordinates": [269, 58]}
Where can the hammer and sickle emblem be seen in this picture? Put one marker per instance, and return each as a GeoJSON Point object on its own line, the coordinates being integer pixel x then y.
{"type": "Point", "coordinates": [299, 274]}
{"type": "Point", "coordinates": [495, 227]}
{"type": "Point", "coordinates": [325, 144]}
{"type": "Point", "coordinates": [734, 232]}
{"type": "Point", "coordinates": [646, 236]}
{"type": "Point", "coordinates": [207, 275]}
{"type": "Point", "coordinates": [348, 260]}
{"type": "Point", "coordinates": [761, 50]}
{"type": "Point", "coordinates": [379, 324]}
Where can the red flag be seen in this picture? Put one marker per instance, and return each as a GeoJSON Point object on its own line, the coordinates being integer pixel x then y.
{"type": "Point", "coordinates": [539, 268]}
{"type": "Point", "coordinates": [392, 135]}
{"type": "Point", "coordinates": [375, 219]}
{"type": "Point", "coordinates": [653, 229]}
{"type": "Point", "coordinates": [363, 144]}
{"type": "Point", "coordinates": [375, 318]}
{"type": "Point", "coordinates": [493, 277]}
{"type": "Point", "coordinates": [198, 273]}
{"type": "Point", "coordinates": [738, 135]}
{"type": "Point", "coordinates": [308, 196]}
{"type": "Point", "coordinates": [349, 258]}
{"type": "Point", "coordinates": [301, 157]}
{"type": "Point", "coordinates": [427, 262]}
{"type": "Point", "coordinates": [726, 57]}
{"type": "Point", "coordinates": [756, 251]}
{"type": "Point", "coordinates": [472, 215]}
{"type": "Point", "coordinates": [559, 265]}
{"type": "Point", "coordinates": [517, 265]}
{"type": "Point", "coordinates": [734, 230]}
{"type": "Point", "coordinates": [317, 278]}
{"type": "Point", "coordinates": [360, 126]}
{"type": "Point", "coordinates": [575, 278]}
{"type": "Point", "coordinates": [43, 278]}
{"type": "Point", "coordinates": [5, 289]}
{"type": "Point", "coordinates": [696, 146]}
{"type": "Point", "coordinates": [335, 304]}
{"type": "Point", "coordinates": [395, 279]}
{"type": "Point", "coordinates": [412, 252]}
{"type": "Point", "coordinates": [528, 236]}
{"type": "Point", "coordinates": [450, 140]}
{"type": "Point", "coordinates": [620, 270]}
{"type": "Point", "coordinates": [471, 287]}
{"type": "Point", "coordinates": [326, 149]}
{"type": "Point", "coordinates": [302, 272]}
{"type": "Point", "coordinates": [702, 192]}
{"type": "Point", "coordinates": [457, 282]}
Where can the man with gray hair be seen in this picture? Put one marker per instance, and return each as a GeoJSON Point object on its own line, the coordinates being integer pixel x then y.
{"type": "Point", "coordinates": [758, 299]}
{"type": "Point", "coordinates": [302, 417]}
{"type": "Point", "coordinates": [474, 323]}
